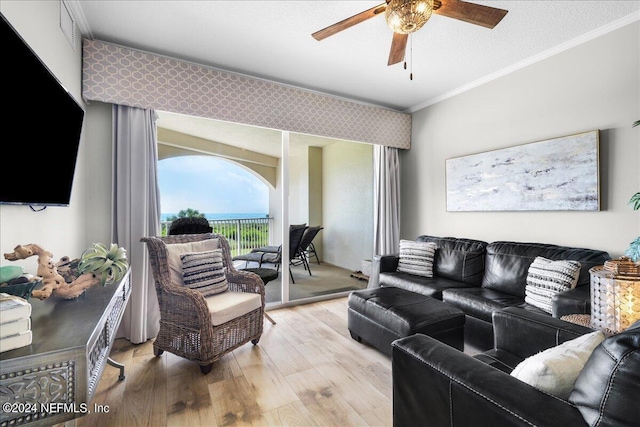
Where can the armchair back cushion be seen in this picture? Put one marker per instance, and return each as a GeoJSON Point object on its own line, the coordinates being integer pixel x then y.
{"type": "Point", "coordinates": [461, 260]}
{"type": "Point", "coordinates": [606, 391]}
{"type": "Point", "coordinates": [175, 250]}
{"type": "Point", "coordinates": [507, 263]}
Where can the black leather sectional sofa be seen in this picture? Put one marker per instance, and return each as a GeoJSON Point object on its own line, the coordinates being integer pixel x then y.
{"type": "Point", "coordinates": [436, 385]}
{"type": "Point", "coordinates": [480, 278]}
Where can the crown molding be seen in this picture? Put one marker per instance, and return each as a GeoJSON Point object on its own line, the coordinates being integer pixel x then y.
{"type": "Point", "coordinates": [622, 22]}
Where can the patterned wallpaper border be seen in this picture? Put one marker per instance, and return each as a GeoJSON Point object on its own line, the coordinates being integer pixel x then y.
{"type": "Point", "coordinates": [119, 75]}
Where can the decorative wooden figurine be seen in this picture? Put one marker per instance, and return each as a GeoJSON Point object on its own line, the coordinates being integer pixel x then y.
{"type": "Point", "coordinates": [98, 265]}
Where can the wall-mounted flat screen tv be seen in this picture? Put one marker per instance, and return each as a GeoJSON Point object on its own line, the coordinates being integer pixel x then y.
{"type": "Point", "coordinates": [41, 123]}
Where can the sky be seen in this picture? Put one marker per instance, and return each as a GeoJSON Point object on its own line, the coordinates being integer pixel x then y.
{"type": "Point", "coordinates": [209, 185]}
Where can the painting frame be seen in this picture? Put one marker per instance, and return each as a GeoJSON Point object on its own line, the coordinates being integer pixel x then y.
{"type": "Point", "coordinates": [557, 174]}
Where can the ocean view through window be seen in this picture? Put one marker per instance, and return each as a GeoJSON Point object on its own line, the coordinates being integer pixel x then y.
{"type": "Point", "coordinates": [218, 216]}
{"type": "Point", "coordinates": [210, 185]}
{"type": "Point", "coordinates": [235, 201]}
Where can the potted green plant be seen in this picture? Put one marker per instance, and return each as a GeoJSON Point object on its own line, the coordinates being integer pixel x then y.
{"type": "Point", "coordinates": [634, 247]}
{"type": "Point", "coordinates": [109, 264]}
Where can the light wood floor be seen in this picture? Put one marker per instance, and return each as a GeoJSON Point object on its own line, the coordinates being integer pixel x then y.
{"type": "Point", "coordinates": [306, 371]}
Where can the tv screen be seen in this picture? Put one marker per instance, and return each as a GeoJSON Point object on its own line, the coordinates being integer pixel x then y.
{"type": "Point", "coordinates": [41, 124]}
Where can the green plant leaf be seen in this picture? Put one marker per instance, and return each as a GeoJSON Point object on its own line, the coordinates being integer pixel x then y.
{"type": "Point", "coordinates": [634, 250]}
{"type": "Point", "coordinates": [109, 263]}
{"type": "Point", "coordinates": [634, 201]}
{"type": "Point", "coordinates": [636, 123]}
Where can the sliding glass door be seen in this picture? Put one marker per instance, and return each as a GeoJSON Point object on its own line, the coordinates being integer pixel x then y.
{"type": "Point", "coordinates": [322, 183]}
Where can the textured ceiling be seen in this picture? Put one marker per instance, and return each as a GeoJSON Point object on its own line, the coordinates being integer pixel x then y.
{"type": "Point", "coordinates": [272, 40]}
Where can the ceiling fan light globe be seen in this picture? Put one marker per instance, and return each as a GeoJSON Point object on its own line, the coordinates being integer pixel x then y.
{"type": "Point", "coordinates": [408, 16]}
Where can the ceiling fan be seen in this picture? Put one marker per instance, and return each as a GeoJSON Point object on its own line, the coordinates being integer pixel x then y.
{"type": "Point", "coordinates": [407, 16]}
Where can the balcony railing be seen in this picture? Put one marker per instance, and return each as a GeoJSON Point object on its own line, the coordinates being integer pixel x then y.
{"type": "Point", "coordinates": [242, 234]}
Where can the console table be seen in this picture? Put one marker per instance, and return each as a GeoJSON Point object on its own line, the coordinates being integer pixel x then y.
{"type": "Point", "coordinates": [55, 377]}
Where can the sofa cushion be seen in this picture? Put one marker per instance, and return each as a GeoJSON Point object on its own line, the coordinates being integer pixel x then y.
{"type": "Point", "coordinates": [546, 278]}
{"type": "Point", "coordinates": [461, 260]}
{"type": "Point", "coordinates": [606, 391]}
{"type": "Point", "coordinates": [416, 257]}
{"type": "Point", "coordinates": [555, 370]}
{"type": "Point", "coordinates": [482, 302]}
{"type": "Point", "coordinates": [507, 263]}
{"type": "Point", "coordinates": [429, 286]}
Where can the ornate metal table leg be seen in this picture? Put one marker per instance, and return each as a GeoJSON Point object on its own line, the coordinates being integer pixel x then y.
{"type": "Point", "coordinates": [115, 364]}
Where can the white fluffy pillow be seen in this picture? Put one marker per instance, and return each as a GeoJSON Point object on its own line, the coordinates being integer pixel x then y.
{"type": "Point", "coordinates": [546, 278]}
{"type": "Point", "coordinates": [555, 370]}
{"type": "Point", "coordinates": [176, 249]}
{"type": "Point", "coordinates": [416, 257]}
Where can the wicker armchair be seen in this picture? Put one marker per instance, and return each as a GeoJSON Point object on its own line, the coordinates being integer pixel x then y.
{"type": "Point", "coordinates": [186, 327]}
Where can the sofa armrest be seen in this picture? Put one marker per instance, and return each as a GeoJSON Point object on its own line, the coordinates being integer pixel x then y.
{"type": "Point", "coordinates": [436, 385]}
{"type": "Point", "coordinates": [382, 264]}
{"type": "Point", "coordinates": [573, 301]}
{"type": "Point", "coordinates": [524, 333]}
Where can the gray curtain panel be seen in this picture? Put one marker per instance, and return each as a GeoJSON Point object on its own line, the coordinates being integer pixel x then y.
{"type": "Point", "coordinates": [386, 202]}
{"type": "Point", "coordinates": [136, 213]}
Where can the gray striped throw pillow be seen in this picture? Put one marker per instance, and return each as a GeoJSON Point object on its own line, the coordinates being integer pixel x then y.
{"type": "Point", "coordinates": [546, 278]}
{"type": "Point", "coordinates": [416, 257]}
{"type": "Point", "coordinates": [204, 272]}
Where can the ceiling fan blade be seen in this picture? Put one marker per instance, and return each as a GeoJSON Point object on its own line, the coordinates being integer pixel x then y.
{"type": "Point", "coordinates": [398, 47]}
{"type": "Point", "coordinates": [472, 13]}
{"type": "Point", "coordinates": [349, 22]}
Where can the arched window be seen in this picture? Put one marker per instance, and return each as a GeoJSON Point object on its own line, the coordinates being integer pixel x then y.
{"type": "Point", "coordinates": [216, 187]}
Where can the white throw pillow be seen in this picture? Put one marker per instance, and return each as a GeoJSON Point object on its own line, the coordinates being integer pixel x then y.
{"type": "Point", "coordinates": [416, 257]}
{"type": "Point", "coordinates": [546, 278]}
{"type": "Point", "coordinates": [555, 370]}
{"type": "Point", "coordinates": [176, 249]}
{"type": "Point", "coordinates": [204, 272]}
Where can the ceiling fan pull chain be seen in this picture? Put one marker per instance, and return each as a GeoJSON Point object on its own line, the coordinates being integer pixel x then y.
{"type": "Point", "coordinates": [410, 57]}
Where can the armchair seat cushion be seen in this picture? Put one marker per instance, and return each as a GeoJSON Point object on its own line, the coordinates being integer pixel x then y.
{"type": "Point", "coordinates": [482, 302]}
{"type": "Point", "coordinates": [231, 305]}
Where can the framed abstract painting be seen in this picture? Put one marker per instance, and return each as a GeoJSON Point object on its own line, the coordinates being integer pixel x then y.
{"type": "Point", "coordinates": [560, 174]}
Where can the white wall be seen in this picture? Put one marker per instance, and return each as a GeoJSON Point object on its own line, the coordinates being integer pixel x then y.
{"type": "Point", "coordinates": [298, 184]}
{"type": "Point", "coordinates": [595, 85]}
{"type": "Point", "coordinates": [347, 211]}
{"type": "Point", "coordinates": [61, 230]}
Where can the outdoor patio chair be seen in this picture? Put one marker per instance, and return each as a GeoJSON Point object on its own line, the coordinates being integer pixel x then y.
{"type": "Point", "coordinates": [306, 249]}
{"type": "Point", "coordinates": [190, 225]}
{"type": "Point", "coordinates": [197, 322]}
{"type": "Point", "coordinates": [273, 254]}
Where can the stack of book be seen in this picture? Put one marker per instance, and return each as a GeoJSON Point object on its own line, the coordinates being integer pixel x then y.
{"type": "Point", "coordinates": [15, 322]}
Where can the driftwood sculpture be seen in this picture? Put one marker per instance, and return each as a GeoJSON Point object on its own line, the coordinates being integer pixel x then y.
{"type": "Point", "coordinates": [53, 282]}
